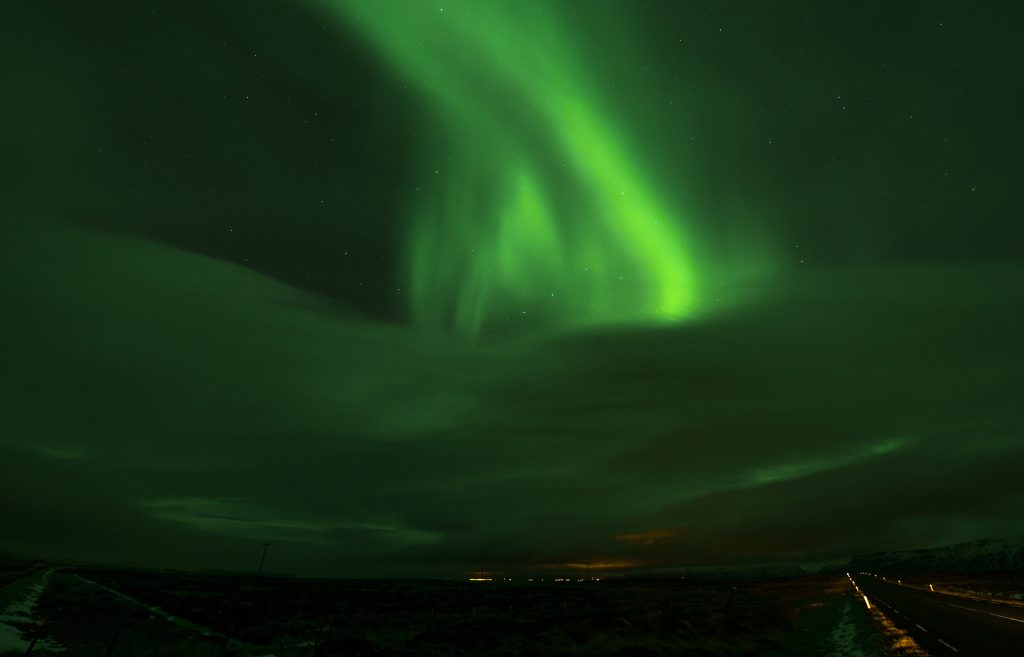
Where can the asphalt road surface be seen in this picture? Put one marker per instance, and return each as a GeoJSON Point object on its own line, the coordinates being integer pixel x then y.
{"type": "Point", "coordinates": [948, 624]}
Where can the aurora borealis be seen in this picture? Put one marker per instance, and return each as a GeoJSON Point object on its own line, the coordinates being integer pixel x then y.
{"type": "Point", "coordinates": [540, 209]}
{"type": "Point", "coordinates": [400, 286]}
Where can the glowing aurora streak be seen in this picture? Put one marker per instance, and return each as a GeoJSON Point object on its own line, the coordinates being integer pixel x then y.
{"type": "Point", "coordinates": [532, 207]}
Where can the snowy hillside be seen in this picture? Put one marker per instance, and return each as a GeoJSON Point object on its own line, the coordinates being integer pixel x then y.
{"type": "Point", "coordinates": [976, 556]}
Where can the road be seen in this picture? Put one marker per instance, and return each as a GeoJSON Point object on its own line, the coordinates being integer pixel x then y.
{"type": "Point", "coordinates": [948, 624]}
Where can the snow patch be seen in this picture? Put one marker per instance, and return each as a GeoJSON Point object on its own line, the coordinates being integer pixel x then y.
{"type": "Point", "coordinates": [844, 638]}
{"type": "Point", "coordinates": [18, 619]}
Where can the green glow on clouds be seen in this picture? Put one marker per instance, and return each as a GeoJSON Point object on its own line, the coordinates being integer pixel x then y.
{"type": "Point", "coordinates": [795, 470]}
{"type": "Point", "coordinates": [533, 211]}
{"type": "Point", "coordinates": [240, 518]}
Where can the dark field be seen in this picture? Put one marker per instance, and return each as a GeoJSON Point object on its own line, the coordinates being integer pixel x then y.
{"type": "Point", "coordinates": [104, 612]}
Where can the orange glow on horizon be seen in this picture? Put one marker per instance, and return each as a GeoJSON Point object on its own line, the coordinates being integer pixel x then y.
{"type": "Point", "coordinates": [607, 564]}
{"type": "Point", "coordinates": [649, 537]}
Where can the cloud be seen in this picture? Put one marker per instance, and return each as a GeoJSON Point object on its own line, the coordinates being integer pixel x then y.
{"type": "Point", "coordinates": [649, 537]}
{"type": "Point", "coordinates": [171, 408]}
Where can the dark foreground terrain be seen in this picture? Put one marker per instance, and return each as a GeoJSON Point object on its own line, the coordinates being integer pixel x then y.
{"type": "Point", "coordinates": [108, 612]}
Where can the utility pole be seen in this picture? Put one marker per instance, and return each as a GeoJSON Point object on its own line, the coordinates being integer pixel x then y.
{"type": "Point", "coordinates": [589, 578]}
{"type": "Point", "coordinates": [259, 571]}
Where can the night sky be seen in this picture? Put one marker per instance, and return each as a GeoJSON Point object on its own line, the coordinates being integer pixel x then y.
{"type": "Point", "coordinates": [403, 285]}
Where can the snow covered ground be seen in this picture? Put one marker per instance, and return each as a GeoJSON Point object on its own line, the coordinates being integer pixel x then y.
{"type": "Point", "coordinates": [17, 619]}
{"type": "Point", "coordinates": [846, 638]}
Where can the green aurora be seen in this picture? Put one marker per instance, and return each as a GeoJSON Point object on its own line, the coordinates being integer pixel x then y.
{"type": "Point", "coordinates": [543, 209]}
